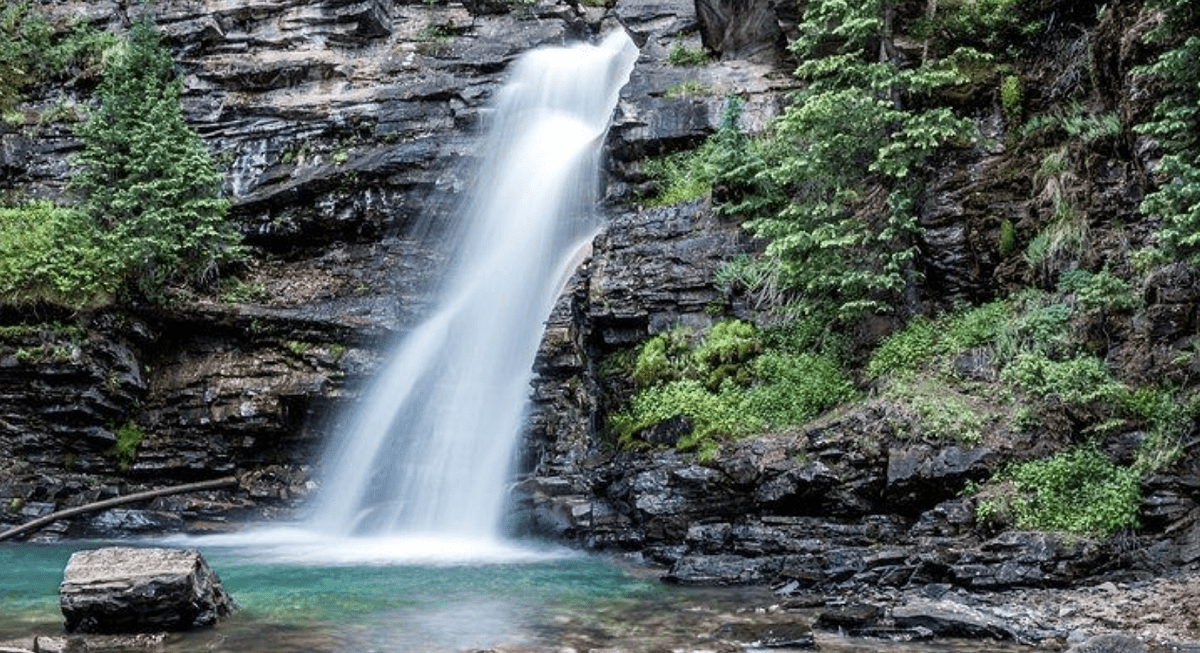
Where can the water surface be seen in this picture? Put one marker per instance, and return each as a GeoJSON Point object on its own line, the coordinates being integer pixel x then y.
{"type": "Point", "coordinates": [313, 597]}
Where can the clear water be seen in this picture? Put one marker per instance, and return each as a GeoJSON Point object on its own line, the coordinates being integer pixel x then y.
{"type": "Point", "coordinates": [430, 447]}
{"type": "Point", "coordinates": [302, 599]}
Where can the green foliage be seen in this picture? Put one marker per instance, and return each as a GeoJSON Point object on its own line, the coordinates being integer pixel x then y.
{"type": "Point", "coordinates": [980, 23]}
{"type": "Point", "coordinates": [725, 352]}
{"type": "Point", "coordinates": [690, 174]}
{"type": "Point", "coordinates": [688, 87]}
{"type": "Point", "coordinates": [1077, 491]}
{"type": "Point", "coordinates": [129, 438]}
{"type": "Point", "coordinates": [855, 123]}
{"type": "Point", "coordinates": [1099, 292]}
{"type": "Point", "coordinates": [727, 383]}
{"type": "Point", "coordinates": [793, 388]}
{"type": "Point", "coordinates": [146, 178]}
{"type": "Point", "coordinates": [662, 359]}
{"type": "Point", "coordinates": [1012, 99]}
{"type": "Point", "coordinates": [905, 351]}
{"type": "Point", "coordinates": [51, 253]}
{"type": "Point", "coordinates": [1175, 124]}
{"type": "Point", "coordinates": [939, 412]}
{"type": "Point", "coordinates": [681, 55]}
{"type": "Point", "coordinates": [1007, 243]}
{"type": "Point", "coordinates": [32, 51]}
{"type": "Point", "coordinates": [681, 176]}
{"type": "Point", "coordinates": [1076, 381]}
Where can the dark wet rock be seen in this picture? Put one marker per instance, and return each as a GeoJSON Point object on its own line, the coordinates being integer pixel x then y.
{"type": "Point", "coordinates": [1109, 644]}
{"type": "Point", "coordinates": [769, 636]}
{"type": "Point", "coordinates": [128, 590]}
{"type": "Point", "coordinates": [951, 619]}
{"type": "Point", "coordinates": [850, 618]}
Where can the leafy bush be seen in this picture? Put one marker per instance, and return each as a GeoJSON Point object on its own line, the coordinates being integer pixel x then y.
{"type": "Point", "coordinates": [727, 384]}
{"type": "Point", "coordinates": [1099, 292]}
{"type": "Point", "coordinates": [1175, 124]}
{"type": "Point", "coordinates": [1077, 381]}
{"type": "Point", "coordinates": [804, 188]}
{"type": "Point", "coordinates": [904, 351]}
{"type": "Point", "coordinates": [794, 388]}
{"type": "Point", "coordinates": [129, 438]}
{"type": "Point", "coordinates": [663, 358]}
{"type": "Point", "coordinates": [1012, 99]}
{"type": "Point", "coordinates": [51, 253]}
{"type": "Point", "coordinates": [1077, 491]}
{"type": "Point", "coordinates": [31, 51]}
{"type": "Point", "coordinates": [681, 55]}
{"type": "Point", "coordinates": [146, 178]}
{"type": "Point", "coordinates": [725, 352]}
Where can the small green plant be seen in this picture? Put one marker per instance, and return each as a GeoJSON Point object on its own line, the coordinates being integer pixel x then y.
{"type": "Point", "coordinates": [54, 254]}
{"type": "Point", "coordinates": [681, 176]}
{"type": "Point", "coordinates": [1175, 125]}
{"type": "Point", "coordinates": [1078, 491]}
{"type": "Point", "coordinates": [129, 438]}
{"type": "Point", "coordinates": [904, 351]}
{"type": "Point", "coordinates": [236, 291]}
{"type": "Point", "coordinates": [32, 50]}
{"type": "Point", "coordinates": [1007, 243]}
{"type": "Point", "coordinates": [1100, 292]}
{"type": "Point", "coordinates": [1012, 99]}
{"type": "Point", "coordinates": [681, 55]}
{"type": "Point", "coordinates": [687, 88]}
{"type": "Point", "coordinates": [298, 348]}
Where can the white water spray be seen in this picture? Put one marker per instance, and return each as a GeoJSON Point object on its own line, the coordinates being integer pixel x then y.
{"type": "Point", "coordinates": [430, 449]}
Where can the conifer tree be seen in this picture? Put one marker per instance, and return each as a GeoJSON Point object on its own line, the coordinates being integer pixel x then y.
{"type": "Point", "coordinates": [146, 177]}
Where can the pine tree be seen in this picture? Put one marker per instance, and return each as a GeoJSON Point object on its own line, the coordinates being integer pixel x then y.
{"type": "Point", "coordinates": [853, 128]}
{"type": "Point", "coordinates": [1175, 123]}
{"type": "Point", "coordinates": [146, 177]}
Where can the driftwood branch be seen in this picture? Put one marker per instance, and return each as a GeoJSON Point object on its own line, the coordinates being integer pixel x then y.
{"type": "Point", "coordinates": [116, 501]}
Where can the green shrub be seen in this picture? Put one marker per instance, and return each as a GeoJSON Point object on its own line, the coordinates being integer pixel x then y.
{"type": "Point", "coordinates": [1077, 491]}
{"type": "Point", "coordinates": [52, 253]}
{"type": "Point", "coordinates": [146, 178]}
{"type": "Point", "coordinates": [851, 127]}
{"type": "Point", "coordinates": [680, 176]}
{"type": "Point", "coordinates": [794, 388]}
{"type": "Point", "coordinates": [129, 438]}
{"type": "Point", "coordinates": [663, 358]}
{"type": "Point", "coordinates": [974, 327]}
{"type": "Point", "coordinates": [939, 412]}
{"type": "Point", "coordinates": [1077, 381]}
{"type": "Point", "coordinates": [1175, 124]}
{"type": "Point", "coordinates": [1099, 292]}
{"type": "Point", "coordinates": [727, 384]}
{"type": "Point", "coordinates": [1012, 99]}
{"type": "Point", "coordinates": [681, 55]}
{"type": "Point", "coordinates": [33, 51]}
{"type": "Point", "coordinates": [905, 351]}
{"type": "Point", "coordinates": [725, 352]}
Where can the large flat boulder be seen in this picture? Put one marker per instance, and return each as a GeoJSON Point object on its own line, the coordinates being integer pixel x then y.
{"type": "Point", "coordinates": [132, 590]}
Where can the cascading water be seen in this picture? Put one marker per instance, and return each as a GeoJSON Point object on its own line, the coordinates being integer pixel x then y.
{"type": "Point", "coordinates": [430, 448]}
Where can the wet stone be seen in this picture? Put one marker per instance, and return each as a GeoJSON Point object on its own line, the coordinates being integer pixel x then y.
{"type": "Point", "coordinates": [118, 590]}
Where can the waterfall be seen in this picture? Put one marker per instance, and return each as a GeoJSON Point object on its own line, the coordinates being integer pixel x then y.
{"type": "Point", "coordinates": [430, 447]}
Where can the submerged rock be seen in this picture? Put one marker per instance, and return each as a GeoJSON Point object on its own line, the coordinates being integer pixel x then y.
{"type": "Point", "coordinates": [128, 590]}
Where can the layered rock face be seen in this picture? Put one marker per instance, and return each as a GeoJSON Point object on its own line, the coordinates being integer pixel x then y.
{"type": "Point", "coordinates": [861, 499]}
{"type": "Point", "coordinates": [346, 130]}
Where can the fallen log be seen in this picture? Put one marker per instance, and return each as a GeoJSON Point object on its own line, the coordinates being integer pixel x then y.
{"type": "Point", "coordinates": [116, 501]}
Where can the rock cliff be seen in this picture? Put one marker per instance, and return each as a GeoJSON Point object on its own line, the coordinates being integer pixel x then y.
{"type": "Point", "coordinates": [345, 128]}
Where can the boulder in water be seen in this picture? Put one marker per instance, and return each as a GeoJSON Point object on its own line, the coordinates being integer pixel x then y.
{"type": "Point", "coordinates": [129, 590]}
